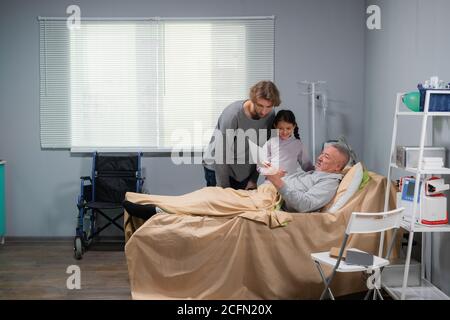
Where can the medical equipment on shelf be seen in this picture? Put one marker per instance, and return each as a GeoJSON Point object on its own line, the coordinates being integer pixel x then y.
{"type": "Point", "coordinates": [435, 83]}
{"type": "Point", "coordinates": [432, 203]}
{"type": "Point", "coordinates": [432, 163]}
{"type": "Point", "coordinates": [317, 98]}
{"type": "Point", "coordinates": [439, 100]}
{"type": "Point", "coordinates": [435, 186]}
{"type": "Point", "coordinates": [412, 100]}
{"type": "Point", "coordinates": [409, 156]}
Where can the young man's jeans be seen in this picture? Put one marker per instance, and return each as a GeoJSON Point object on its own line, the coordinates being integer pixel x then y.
{"type": "Point", "coordinates": [210, 177]}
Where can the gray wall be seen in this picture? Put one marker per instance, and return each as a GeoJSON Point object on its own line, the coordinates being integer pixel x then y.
{"type": "Point", "coordinates": [413, 45]}
{"type": "Point", "coordinates": [315, 39]}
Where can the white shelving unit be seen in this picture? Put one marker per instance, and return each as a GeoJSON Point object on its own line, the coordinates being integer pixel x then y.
{"type": "Point", "coordinates": [426, 290]}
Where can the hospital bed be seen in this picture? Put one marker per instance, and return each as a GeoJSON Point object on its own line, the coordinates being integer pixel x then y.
{"type": "Point", "coordinates": [174, 256]}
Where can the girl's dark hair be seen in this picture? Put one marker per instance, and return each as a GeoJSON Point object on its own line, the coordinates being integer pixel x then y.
{"type": "Point", "coordinates": [286, 116]}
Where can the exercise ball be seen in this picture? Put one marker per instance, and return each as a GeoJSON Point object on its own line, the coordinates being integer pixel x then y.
{"type": "Point", "coordinates": [412, 101]}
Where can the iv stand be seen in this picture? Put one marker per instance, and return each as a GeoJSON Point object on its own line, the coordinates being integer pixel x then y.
{"type": "Point", "coordinates": [312, 91]}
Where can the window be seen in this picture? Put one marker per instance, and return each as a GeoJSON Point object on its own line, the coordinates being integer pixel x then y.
{"type": "Point", "coordinates": [146, 85]}
{"type": "Point", "coordinates": [113, 86]}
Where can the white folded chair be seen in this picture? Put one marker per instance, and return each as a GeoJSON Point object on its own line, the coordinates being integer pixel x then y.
{"type": "Point", "coordinates": [360, 223]}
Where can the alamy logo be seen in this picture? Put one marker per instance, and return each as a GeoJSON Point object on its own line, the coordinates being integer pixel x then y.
{"type": "Point", "coordinates": [74, 280]}
{"type": "Point", "coordinates": [374, 281]}
{"type": "Point", "coordinates": [73, 21]}
{"type": "Point", "coordinates": [229, 147]}
{"type": "Point", "coordinates": [373, 22]}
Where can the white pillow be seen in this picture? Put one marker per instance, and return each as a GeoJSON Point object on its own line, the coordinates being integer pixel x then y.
{"type": "Point", "coordinates": [348, 186]}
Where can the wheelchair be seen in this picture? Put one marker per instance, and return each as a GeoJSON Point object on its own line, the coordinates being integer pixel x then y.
{"type": "Point", "coordinates": [112, 176]}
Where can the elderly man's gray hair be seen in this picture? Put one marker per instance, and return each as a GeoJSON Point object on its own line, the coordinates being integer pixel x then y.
{"type": "Point", "coordinates": [343, 150]}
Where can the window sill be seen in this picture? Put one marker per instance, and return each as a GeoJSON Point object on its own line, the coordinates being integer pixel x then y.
{"type": "Point", "coordinates": [168, 151]}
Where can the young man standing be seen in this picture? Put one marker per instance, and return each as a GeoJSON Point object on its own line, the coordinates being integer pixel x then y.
{"type": "Point", "coordinates": [221, 161]}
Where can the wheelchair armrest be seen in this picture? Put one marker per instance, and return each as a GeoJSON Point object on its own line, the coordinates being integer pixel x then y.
{"type": "Point", "coordinates": [85, 194]}
{"type": "Point", "coordinates": [85, 190]}
{"type": "Point", "coordinates": [84, 183]}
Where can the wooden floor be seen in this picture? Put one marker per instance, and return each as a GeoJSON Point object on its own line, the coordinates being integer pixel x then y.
{"type": "Point", "coordinates": [37, 270]}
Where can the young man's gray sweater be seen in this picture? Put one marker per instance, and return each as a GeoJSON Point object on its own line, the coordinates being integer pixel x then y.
{"type": "Point", "coordinates": [234, 117]}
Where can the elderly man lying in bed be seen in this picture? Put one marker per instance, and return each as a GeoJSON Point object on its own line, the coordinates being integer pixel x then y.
{"type": "Point", "coordinates": [298, 192]}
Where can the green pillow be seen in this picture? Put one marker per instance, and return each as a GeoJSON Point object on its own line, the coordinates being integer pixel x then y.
{"type": "Point", "coordinates": [365, 180]}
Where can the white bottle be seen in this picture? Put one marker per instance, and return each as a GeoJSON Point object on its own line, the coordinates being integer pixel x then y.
{"type": "Point", "coordinates": [434, 82]}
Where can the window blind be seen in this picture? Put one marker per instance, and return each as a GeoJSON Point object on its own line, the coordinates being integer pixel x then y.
{"type": "Point", "coordinates": [147, 85]}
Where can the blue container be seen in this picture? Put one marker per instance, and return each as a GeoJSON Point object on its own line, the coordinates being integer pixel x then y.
{"type": "Point", "coordinates": [2, 198]}
{"type": "Point", "coordinates": [438, 102]}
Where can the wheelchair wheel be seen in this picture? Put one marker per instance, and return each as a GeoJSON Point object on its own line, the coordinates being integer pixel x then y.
{"type": "Point", "coordinates": [78, 248]}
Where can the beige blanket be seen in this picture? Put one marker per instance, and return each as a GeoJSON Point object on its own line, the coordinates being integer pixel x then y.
{"type": "Point", "coordinates": [240, 254]}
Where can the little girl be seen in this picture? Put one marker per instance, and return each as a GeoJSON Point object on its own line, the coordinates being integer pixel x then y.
{"type": "Point", "coordinates": [286, 151]}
